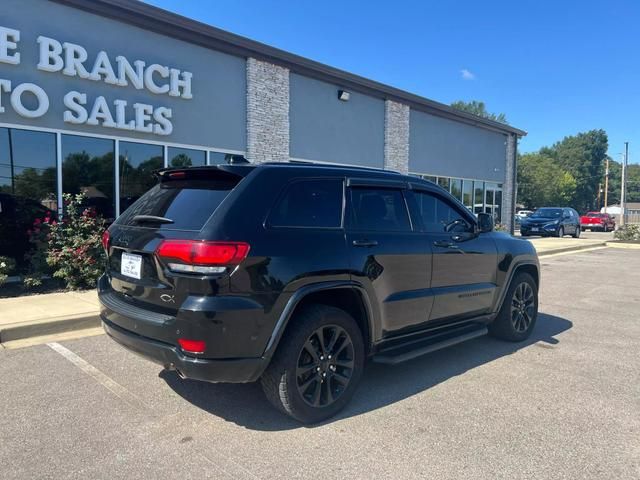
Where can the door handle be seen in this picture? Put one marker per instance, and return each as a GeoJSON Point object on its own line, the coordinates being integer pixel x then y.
{"type": "Point", "coordinates": [365, 243]}
{"type": "Point", "coordinates": [446, 244]}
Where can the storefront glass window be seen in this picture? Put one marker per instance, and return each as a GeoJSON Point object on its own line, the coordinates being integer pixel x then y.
{"type": "Point", "coordinates": [490, 199]}
{"type": "Point", "coordinates": [186, 157]}
{"type": "Point", "coordinates": [219, 158]}
{"type": "Point", "coordinates": [444, 182]}
{"type": "Point", "coordinates": [28, 187]}
{"type": "Point", "coordinates": [478, 201]}
{"type": "Point", "coordinates": [430, 178]}
{"type": "Point", "coordinates": [28, 165]}
{"type": "Point", "coordinates": [456, 188]}
{"type": "Point", "coordinates": [498, 201]}
{"type": "Point", "coordinates": [88, 167]}
{"type": "Point", "coordinates": [138, 161]}
{"type": "Point", "coordinates": [467, 194]}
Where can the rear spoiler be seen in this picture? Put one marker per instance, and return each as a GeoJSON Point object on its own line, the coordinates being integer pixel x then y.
{"type": "Point", "coordinates": [212, 172]}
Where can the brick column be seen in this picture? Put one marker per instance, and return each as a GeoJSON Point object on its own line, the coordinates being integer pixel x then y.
{"type": "Point", "coordinates": [509, 187]}
{"type": "Point", "coordinates": [396, 136]}
{"type": "Point", "coordinates": [267, 112]}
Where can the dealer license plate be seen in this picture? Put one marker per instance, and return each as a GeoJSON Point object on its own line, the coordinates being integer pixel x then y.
{"type": "Point", "coordinates": [534, 229]}
{"type": "Point", "coordinates": [131, 265]}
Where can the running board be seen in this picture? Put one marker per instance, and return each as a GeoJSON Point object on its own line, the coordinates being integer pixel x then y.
{"type": "Point", "coordinates": [401, 354]}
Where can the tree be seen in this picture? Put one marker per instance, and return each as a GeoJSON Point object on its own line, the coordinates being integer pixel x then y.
{"type": "Point", "coordinates": [181, 160]}
{"type": "Point", "coordinates": [541, 182]}
{"type": "Point", "coordinates": [583, 156]}
{"type": "Point", "coordinates": [478, 108]}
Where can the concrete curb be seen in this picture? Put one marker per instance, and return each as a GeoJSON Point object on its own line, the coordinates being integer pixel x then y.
{"type": "Point", "coordinates": [630, 246]}
{"type": "Point", "coordinates": [573, 248]}
{"type": "Point", "coordinates": [48, 326]}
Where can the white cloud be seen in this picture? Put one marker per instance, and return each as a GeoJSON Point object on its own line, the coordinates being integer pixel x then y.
{"type": "Point", "coordinates": [467, 75]}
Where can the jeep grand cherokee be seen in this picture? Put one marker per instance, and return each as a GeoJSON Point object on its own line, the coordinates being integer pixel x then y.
{"type": "Point", "coordinates": [297, 274]}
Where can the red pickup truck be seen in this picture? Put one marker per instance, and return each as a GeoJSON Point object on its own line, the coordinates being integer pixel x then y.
{"type": "Point", "coordinates": [597, 221]}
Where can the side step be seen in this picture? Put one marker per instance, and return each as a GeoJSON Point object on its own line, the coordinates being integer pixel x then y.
{"type": "Point", "coordinates": [402, 353]}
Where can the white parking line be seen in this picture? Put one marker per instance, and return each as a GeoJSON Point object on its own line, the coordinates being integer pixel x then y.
{"type": "Point", "coordinates": [100, 377]}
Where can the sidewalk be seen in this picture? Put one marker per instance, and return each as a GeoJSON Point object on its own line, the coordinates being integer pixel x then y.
{"type": "Point", "coordinates": [46, 314]}
{"type": "Point", "coordinates": [552, 245]}
{"type": "Point", "coordinates": [55, 313]}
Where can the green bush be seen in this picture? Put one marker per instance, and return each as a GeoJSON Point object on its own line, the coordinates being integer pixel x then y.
{"type": "Point", "coordinates": [7, 265]}
{"type": "Point", "coordinates": [628, 233]}
{"type": "Point", "coordinates": [70, 249]}
{"type": "Point", "coordinates": [75, 250]}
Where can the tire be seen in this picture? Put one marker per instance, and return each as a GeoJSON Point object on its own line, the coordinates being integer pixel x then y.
{"type": "Point", "coordinates": [577, 233]}
{"type": "Point", "coordinates": [514, 324]}
{"type": "Point", "coordinates": [560, 232]}
{"type": "Point", "coordinates": [302, 392]}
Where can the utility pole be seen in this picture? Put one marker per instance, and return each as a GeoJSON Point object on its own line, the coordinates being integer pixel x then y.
{"type": "Point", "coordinates": [623, 192]}
{"type": "Point", "coordinates": [606, 184]}
{"type": "Point", "coordinates": [599, 195]}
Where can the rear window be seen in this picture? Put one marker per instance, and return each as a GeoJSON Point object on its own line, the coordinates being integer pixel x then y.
{"type": "Point", "coordinates": [595, 215]}
{"type": "Point", "coordinates": [188, 203]}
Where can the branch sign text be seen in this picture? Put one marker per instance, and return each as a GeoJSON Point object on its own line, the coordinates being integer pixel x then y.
{"type": "Point", "coordinates": [72, 60]}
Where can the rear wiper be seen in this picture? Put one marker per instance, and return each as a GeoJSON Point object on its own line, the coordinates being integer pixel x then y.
{"type": "Point", "coordinates": [151, 219]}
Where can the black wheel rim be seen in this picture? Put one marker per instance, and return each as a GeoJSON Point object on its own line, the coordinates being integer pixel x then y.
{"type": "Point", "coordinates": [522, 307]}
{"type": "Point", "coordinates": [325, 366]}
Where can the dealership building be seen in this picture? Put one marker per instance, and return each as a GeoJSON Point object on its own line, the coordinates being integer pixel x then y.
{"type": "Point", "coordinates": [96, 94]}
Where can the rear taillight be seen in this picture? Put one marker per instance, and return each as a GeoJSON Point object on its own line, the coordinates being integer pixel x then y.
{"type": "Point", "coordinates": [192, 346]}
{"type": "Point", "coordinates": [193, 256]}
{"type": "Point", "coordinates": [105, 240]}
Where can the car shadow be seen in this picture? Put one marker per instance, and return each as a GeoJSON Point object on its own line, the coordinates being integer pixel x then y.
{"type": "Point", "coordinates": [382, 385]}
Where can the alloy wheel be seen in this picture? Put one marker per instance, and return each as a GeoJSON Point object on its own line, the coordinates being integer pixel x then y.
{"type": "Point", "coordinates": [522, 307]}
{"type": "Point", "coordinates": [325, 366]}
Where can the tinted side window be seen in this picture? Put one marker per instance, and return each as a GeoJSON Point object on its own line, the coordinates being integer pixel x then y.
{"type": "Point", "coordinates": [379, 209]}
{"type": "Point", "coordinates": [309, 203]}
{"type": "Point", "coordinates": [437, 214]}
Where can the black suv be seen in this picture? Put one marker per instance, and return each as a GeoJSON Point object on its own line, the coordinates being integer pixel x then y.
{"type": "Point", "coordinates": [296, 274]}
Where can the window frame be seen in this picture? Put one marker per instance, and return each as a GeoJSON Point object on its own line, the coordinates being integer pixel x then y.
{"type": "Point", "coordinates": [267, 221]}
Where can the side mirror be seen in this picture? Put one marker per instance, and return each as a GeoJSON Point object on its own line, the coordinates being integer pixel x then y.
{"type": "Point", "coordinates": [485, 223]}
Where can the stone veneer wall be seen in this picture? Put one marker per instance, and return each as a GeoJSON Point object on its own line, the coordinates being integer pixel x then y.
{"type": "Point", "coordinates": [267, 112]}
{"type": "Point", "coordinates": [396, 136]}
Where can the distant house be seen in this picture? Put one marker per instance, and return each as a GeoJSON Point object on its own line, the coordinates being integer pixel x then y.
{"type": "Point", "coordinates": [633, 212]}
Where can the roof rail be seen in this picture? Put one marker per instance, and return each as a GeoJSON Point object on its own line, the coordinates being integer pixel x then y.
{"type": "Point", "coordinates": [309, 163]}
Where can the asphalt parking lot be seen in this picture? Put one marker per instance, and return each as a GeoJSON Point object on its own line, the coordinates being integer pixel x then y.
{"type": "Point", "coordinates": [565, 404]}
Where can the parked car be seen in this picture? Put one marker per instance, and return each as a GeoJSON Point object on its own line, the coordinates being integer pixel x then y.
{"type": "Point", "coordinates": [597, 221]}
{"type": "Point", "coordinates": [17, 215]}
{"type": "Point", "coordinates": [296, 274]}
{"type": "Point", "coordinates": [523, 213]}
{"type": "Point", "coordinates": [551, 222]}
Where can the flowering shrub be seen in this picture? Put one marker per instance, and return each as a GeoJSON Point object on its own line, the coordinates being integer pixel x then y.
{"type": "Point", "coordinates": [628, 232]}
{"type": "Point", "coordinates": [500, 227]}
{"type": "Point", "coordinates": [70, 249]}
{"type": "Point", "coordinates": [75, 250]}
{"type": "Point", "coordinates": [37, 256]}
{"type": "Point", "coordinates": [6, 267]}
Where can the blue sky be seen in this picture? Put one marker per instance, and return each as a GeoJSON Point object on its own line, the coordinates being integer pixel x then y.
{"type": "Point", "coordinates": [555, 68]}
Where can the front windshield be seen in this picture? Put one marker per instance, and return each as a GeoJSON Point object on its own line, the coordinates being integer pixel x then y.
{"type": "Point", "coordinates": [547, 213]}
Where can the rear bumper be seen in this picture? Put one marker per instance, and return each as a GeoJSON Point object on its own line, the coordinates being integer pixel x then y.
{"type": "Point", "coordinates": [236, 370]}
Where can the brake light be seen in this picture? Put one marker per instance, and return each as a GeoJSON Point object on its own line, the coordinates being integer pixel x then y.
{"type": "Point", "coordinates": [202, 257]}
{"type": "Point", "coordinates": [105, 240]}
{"type": "Point", "coordinates": [192, 346]}
{"type": "Point", "coordinates": [177, 174]}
